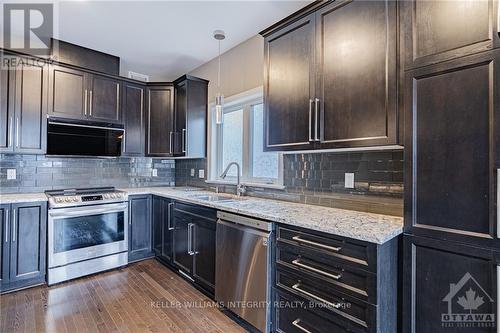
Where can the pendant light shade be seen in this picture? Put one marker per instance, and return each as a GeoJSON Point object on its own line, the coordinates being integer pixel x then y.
{"type": "Point", "coordinates": [219, 98]}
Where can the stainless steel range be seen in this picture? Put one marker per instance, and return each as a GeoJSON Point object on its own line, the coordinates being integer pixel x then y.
{"type": "Point", "coordinates": [88, 232]}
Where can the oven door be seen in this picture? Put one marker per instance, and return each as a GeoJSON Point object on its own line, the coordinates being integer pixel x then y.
{"type": "Point", "coordinates": [80, 233]}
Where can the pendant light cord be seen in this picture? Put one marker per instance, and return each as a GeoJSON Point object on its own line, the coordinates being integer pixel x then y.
{"type": "Point", "coordinates": [218, 74]}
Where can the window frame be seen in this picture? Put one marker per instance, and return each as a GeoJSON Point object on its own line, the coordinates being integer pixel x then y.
{"type": "Point", "coordinates": [245, 102]}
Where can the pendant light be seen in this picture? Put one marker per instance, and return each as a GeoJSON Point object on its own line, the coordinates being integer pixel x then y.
{"type": "Point", "coordinates": [219, 98]}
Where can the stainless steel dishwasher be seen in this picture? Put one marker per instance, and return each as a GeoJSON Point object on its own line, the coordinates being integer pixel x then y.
{"type": "Point", "coordinates": [243, 268]}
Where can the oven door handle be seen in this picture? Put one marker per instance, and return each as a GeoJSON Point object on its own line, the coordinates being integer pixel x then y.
{"type": "Point", "coordinates": [68, 212]}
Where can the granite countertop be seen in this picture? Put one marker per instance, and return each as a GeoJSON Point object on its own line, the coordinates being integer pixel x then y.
{"type": "Point", "coordinates": [22, 197]}
{"type": "Point", "coordinates": [374, 228]}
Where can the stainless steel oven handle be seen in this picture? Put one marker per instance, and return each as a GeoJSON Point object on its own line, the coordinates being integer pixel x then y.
{"type": "Point", "coordinates": [77, 211]}
{"type": "Point", "coordinates": [296, 324]}
{"type": "Point", "coordinates": [319, 271]}
{"type": "Point", "coordinates": [334, 305]}
{"type": "Point", "coordinates": [169, 212]}
{"type": "Point", "coordinates": [323, 246]}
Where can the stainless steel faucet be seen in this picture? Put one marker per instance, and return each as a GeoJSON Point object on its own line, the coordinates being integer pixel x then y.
{"type": "Point", "coordinates": [240, 188]}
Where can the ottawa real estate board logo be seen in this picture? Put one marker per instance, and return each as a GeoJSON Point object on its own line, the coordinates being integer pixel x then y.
{"type": "Point", "coordinates": [469, 305]}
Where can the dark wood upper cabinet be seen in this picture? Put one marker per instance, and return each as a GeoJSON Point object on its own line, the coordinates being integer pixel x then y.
{"type": "Point", "coordinates": [6, 110]}
{"type": "Point", "coordinates": [438, 276]}
{"type": "Point", "coordinates": [435, 31]}
{"type": "Point", "coordinates": [190, 116]}
{"type": "Point", "coordinates": [357, 74]}
{"type": "Point", "coordinates": [134, 119]}
{"type": "Point", "coordinates": [68, 93]}
{"type": "Point", "coordinates": [104, 99]}
{"type": "Point", "coordinates": [331, 77]}
{"type": "Point", "coordinates": [451, 149]}
{"type": "Point", "coordinates": [289, 83]}
{"type": "Point", "coordinates": [30, 107]}
{"type": "Point", "coordinates": [160, 120]}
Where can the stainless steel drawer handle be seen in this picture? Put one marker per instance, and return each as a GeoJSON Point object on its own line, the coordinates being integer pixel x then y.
{"type": "Point", "coordinates": [11, 122]}
{"type": "Point", "coordinates": [316, 115]}
{"type": "Point", "coordinates": [7, 221]}
{"type": "Point", "coordinates": [310, 120]}
{"type": "Point", "coordinates": [323, 246]}
{"type": "Point", "coordinates": [333, 305]}
{"type": "Point", "coordinates": [184, 140]}
{"type": "Point", "coordinates": [298, 263]}
{"type": "Point", "coordinates": [169, 218]}
{"type": "Point", "coordinates": [296, 323]}
{"type": "Point", "coordinates": [14, 226]}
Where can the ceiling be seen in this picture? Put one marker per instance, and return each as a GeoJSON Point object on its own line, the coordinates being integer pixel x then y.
{"type": "Point", "coordinates": [164, 39]}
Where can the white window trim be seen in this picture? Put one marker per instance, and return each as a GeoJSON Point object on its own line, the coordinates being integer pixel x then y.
{"type": "Point", "coordinates": [252, 96]}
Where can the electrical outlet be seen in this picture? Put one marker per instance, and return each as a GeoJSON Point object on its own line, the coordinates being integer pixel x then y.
{"type": "Point", "coordinates": [155, 172]}
{"type": "Point", "coordinates": [11, 174]}
{"type": "Point", "coordinates": [349, 180]}
{"type": "Point", "coordinates": [201, 173]}
{"type": "Point", "coordinates": [192, 172]}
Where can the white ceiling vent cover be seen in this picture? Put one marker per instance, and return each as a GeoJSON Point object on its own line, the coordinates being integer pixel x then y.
{"type": "Point", "coordinates": [138, 76]}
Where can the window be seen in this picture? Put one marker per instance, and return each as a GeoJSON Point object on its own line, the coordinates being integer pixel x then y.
{"type": "Point", "coordinates": [241, 139]}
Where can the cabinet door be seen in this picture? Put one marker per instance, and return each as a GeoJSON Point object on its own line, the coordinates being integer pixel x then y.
{"type": "Point", "coordinates": [182, 241]}
{"type": "Point", "coordinates": [289, 82]}
{"type": "Point", "coordinates": [191, 118]}
{"type": "Point", "coordinates": [357, 84]}
{"type": "Point", "coordinates": [160, 121]}
{"type": "Point", "coordinates": [158, 216]}
{"type": "Point", "coordinates": [181, 105]}
{"type": "Point", "coordinates": [139, 227]}
{"type": "Point", "coordinates": [104, 99]}
{"type": "Point", "coordinates": [204, 252]}
{"type": "Point", "coordinates": [133, 114]}
{"type": "Point", "coordinates": [6, 109]}
{"type": "Point", "coordinates": [30, 107]}
{"type": "Point", "coordinates": [68, 93]}
{"type": "Point", "coordinates": [451, 114]}
{"type": "Point", "coordinates": [435, 31]}
{"type": "Point", "coordinates": [446, 285]}
{"type": "Point", "coordinates": [5, 243]}
{"type": "Point", "coordinates": [28, 241]}
{"type": "Point", "coordinates": [167, 248]}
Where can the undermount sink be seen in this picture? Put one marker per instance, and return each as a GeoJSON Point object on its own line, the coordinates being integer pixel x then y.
{"type": "Point", "coordinates": [215, 198]}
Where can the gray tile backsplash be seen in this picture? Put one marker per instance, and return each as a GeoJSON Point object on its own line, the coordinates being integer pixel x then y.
{"type": "Point", "coordinates": [318, 179]}
{"type": "Point", "coordinates": [37, 173]}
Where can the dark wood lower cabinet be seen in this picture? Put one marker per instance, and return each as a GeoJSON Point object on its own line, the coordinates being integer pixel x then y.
{"type": "Point", "coordinates": [139, 227]}
{"type": "Point", "coordinates": [194, 243]}
{"type": "Point", "coordinates": [449, 287]}
{"type": "Point", "coordinates": [23, 249]}
{"type": "Point", "coordinates": [162, 228]}
{"type": "Point", "coordinates": [327, 283]}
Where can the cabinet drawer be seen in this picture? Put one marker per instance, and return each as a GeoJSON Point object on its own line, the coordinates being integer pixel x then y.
{"type": "Point", "coordinates": [348, 279]}
{"type": "Point", "coordinates": [341, 307]}
{"type": "Point", "coordinates": [294, 316]}
{"type": "Point", "coordinates": [205, 212]}
{"type": "Point", "coordinates": [350, 251]}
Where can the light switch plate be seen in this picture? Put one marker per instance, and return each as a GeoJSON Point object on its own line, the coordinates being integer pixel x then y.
{"type": "Point", "coordinates": [11, 174]}
{"type": "Point", "coordinates": [192, 172]}
{"type": "Point", "coordinates": [155, 172]}
{"type": "Point", "coordinates": [349, 180]}
{"type": "Point", "coordinates": [201, 173]}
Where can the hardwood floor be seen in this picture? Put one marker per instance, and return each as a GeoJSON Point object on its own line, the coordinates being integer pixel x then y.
{"type": "Point", "coordinates": [143, 297]}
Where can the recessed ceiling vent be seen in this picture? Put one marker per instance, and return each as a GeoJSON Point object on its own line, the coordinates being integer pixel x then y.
{"type": "Point", "coordinates": [138, 76]}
